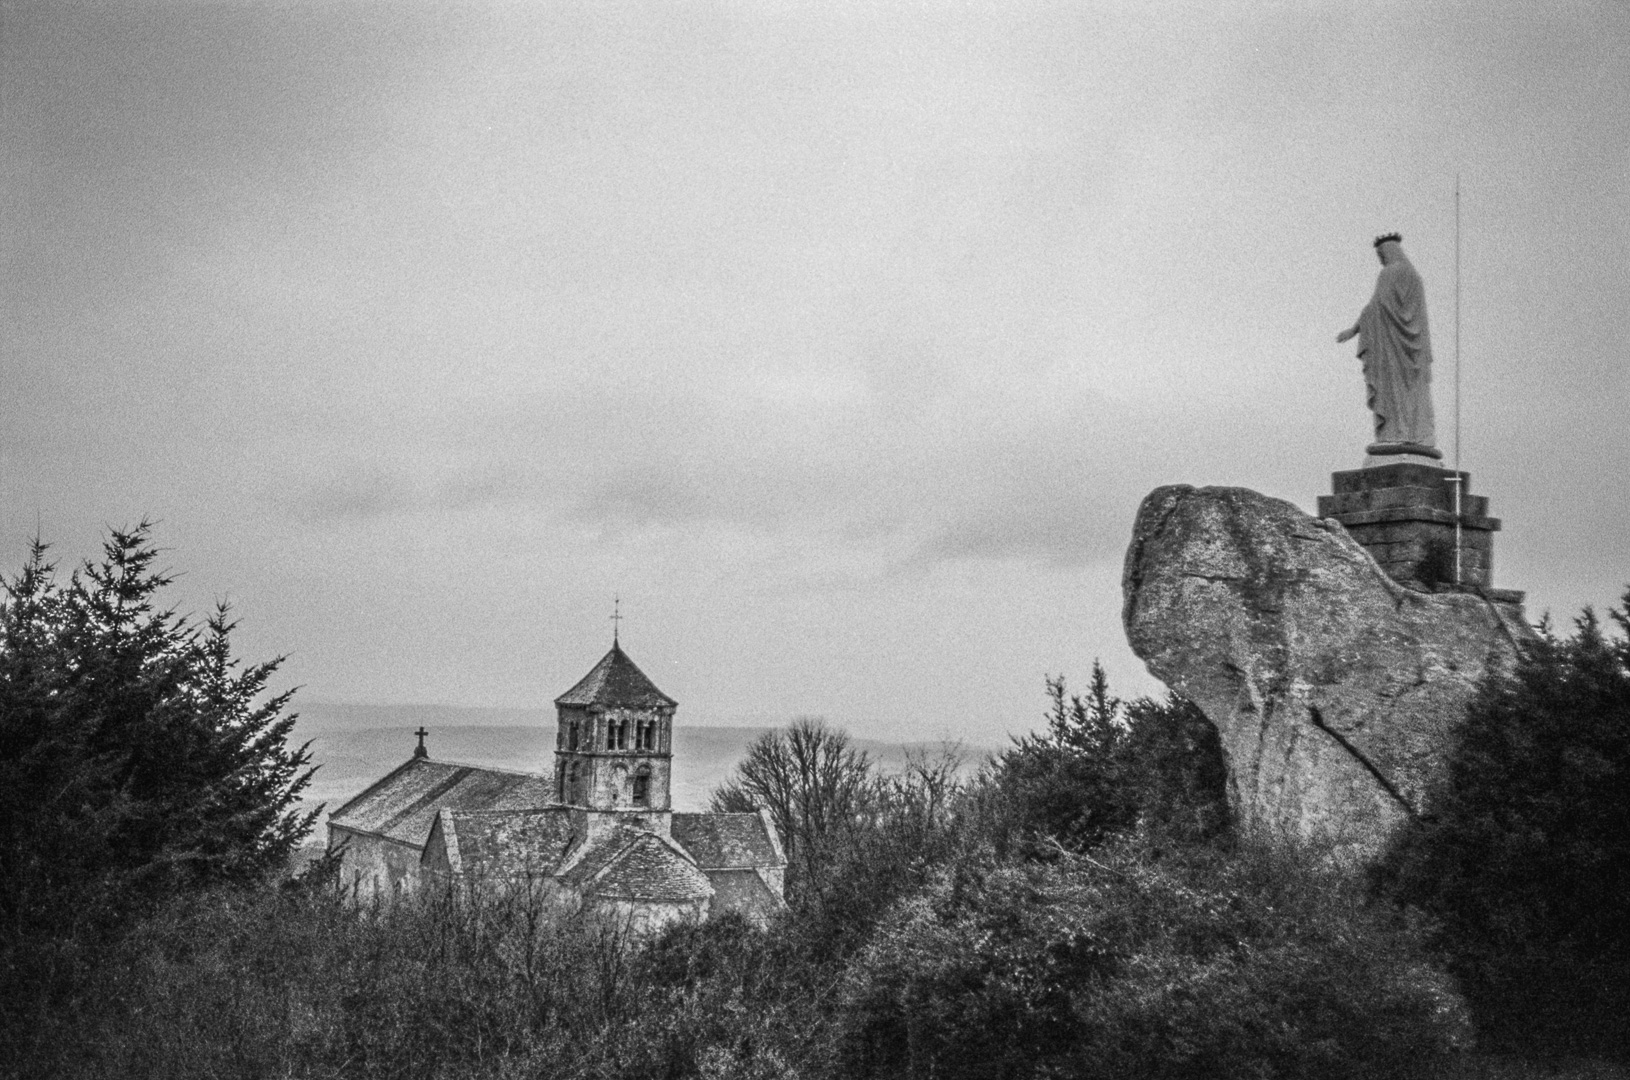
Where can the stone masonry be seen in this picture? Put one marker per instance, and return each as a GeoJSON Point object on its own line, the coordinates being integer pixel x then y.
{"type": "Point", "coordinates": [1403, 514]}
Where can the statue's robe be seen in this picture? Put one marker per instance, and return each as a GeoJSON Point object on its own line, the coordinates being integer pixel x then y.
{"type": "Point", "coordinates": [1396, 347]}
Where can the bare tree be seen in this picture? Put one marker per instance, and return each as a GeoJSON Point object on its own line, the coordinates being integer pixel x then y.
{"type": "Point", "coordinates": [817, 787]}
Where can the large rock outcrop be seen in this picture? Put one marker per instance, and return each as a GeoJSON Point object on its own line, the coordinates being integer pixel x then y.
{"type": "Point", "coordinates": [1334, 688]}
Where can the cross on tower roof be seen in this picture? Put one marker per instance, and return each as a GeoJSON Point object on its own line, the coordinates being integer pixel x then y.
{"type": "Point", "coordinates": [616, 617]}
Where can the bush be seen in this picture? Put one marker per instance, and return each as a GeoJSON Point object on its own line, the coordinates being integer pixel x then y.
{"type": "Point", "coordinates": [1114, 965]}
{"type": "Point", "coordinates": [1175, 766]}
{"type": "Point", "coordinates": [301, 982]}
{"type": "Point", "coordinates": [918, 821]}
{"type": "Point", "coordinates": [1104, 766]}
{"type": "Point", "coordinates": [1525, 858]}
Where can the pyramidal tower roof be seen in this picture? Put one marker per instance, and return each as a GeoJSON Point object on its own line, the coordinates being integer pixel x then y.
{"type": "Point", "coordinates": [616, 681]}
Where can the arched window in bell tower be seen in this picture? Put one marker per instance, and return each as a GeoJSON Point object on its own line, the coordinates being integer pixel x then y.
{"type": "Point", "coordinates": [572, 736]}
{"type": "Point", "coordinates": [642, 786]}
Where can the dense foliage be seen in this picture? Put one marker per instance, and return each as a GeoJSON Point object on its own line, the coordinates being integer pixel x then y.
{"type": "Point", "coordinates": [1076, 907]}
{"type": "Point", "coordinates": [138, 759]}
{"type": "Point", "coordinates": [1116, 964]}
{"type": "Point", "coordinates": [1525, 860]}
{"type": "Point", "coordinates": [137, 755]}
{"type": "Point", "coordinates": [1103, 766]}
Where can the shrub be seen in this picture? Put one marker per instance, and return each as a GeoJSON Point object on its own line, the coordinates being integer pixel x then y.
{"type": "Point", "coordinates": [1115, 965]}
{"type": "Point", "coordinates": [917, 822]}
{"type": "Point", "coordinates": [1525, 859]}
{"type": "Point", "coordinates": [274, 983]}
{"type": "Point", "coordinates": [1103, 766]}
{"type": "Point", "coordinates": [1175, 766]}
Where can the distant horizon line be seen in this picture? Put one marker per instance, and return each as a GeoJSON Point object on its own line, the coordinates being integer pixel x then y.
{"type": "Point", "coordinates": [708, 724]}
{"type": "Point", "coordinates": [298, 705]}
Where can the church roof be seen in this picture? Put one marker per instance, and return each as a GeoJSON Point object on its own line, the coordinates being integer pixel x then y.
{"type": "Point", "coordinates": [402, 805]}
{"type": "Point", "coordinates": [506, 843]}
{"type": "Point", "coordinates": [624, 863]}
{"type": "Point", "coordinates": [729, 841]}
{"type": "Point", "coordinates": [632, 864]}
{"type": "Point", "coordinates": [615, 680]}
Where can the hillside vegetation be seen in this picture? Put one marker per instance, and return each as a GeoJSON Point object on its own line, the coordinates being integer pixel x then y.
{"type": "Point", "coordinates": [1077, 908]}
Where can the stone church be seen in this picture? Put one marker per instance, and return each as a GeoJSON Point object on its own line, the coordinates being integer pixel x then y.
{"type": "Point", "coordinates": [598, 834]}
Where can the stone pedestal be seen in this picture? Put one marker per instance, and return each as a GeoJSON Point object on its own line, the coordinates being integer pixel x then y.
{"type": "Point", "coordinates": [1404, 516]}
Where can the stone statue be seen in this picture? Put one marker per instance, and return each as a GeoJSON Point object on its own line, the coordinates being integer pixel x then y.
{"type": "Point", "coordinates": [1396, 348]}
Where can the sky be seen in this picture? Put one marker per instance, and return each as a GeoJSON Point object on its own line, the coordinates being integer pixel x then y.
{"type": "Point", "coordinates": [839, 340]}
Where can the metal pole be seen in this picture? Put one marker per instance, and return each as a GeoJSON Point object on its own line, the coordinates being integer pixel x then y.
{"type": "Point", "coordinates": [1459, 479]}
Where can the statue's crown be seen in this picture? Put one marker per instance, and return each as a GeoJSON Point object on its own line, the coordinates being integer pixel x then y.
{"type": "Point", "coordinates": [1379, 240]}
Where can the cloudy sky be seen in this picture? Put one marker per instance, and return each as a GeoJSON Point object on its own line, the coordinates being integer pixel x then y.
{"type": "Point", "coordinates": [840, 340]}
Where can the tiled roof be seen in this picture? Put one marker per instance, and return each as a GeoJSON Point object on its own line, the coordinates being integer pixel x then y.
{"type": "Point", "coordinates": [724, 841]}
{"type": "Point", "coordinates": [646, 867]}
{"type": "Point", "coordinates": [585, 863]}
{"type": "Point", "coordinates": [504, 843]}
{"type": "Point", "coordinates": [616, 681]}
{"type": "Point", "coordinates": [403, 804]}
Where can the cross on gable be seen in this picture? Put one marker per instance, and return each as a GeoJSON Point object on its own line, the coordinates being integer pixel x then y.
{"type": "Point", "coordinates": [420, 751]}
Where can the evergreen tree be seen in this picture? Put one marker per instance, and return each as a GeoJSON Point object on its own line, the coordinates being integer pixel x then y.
{"type": "Point", "coordinates": [1104, 766]}
{"type": "Point", "coordinates": [1174, 763]}
{"type": "Point", "coordinates": [1525, 858]}
{"type": "Point", "coordinates": [1068, 785]}
{"type": "Point", "coordinates": [137, 755]}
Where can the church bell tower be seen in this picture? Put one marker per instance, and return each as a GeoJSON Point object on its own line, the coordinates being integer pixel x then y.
{"type": "Point", "coordinates": [614, 745]}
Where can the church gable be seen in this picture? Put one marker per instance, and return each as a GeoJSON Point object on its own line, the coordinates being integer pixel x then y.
{"type": "Point", "coordinates": [745, 892]}
{"type": "Point", "coordinates": [646, 868]}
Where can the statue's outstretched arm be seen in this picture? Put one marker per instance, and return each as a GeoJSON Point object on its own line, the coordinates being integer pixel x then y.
{"type": "Point", "coordinates": [1347, 334]}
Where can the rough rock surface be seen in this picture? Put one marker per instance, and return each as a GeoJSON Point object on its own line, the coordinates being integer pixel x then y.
{"type": "Point", "coordinates": [1334, 688]}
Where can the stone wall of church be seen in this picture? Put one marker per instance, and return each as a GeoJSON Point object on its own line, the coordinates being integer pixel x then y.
{"type": "Point", "coordinates": [746, 893]}
{"type": "Point", "coordinates": [600, 760]}
{"type": "Point", "coordinates": [614, 776]}
{"type": "Point", "coordinates": [372, 866]}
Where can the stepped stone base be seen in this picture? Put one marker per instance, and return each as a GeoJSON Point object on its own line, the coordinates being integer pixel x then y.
{"type": "Point", "coordinates": [1403, 514]}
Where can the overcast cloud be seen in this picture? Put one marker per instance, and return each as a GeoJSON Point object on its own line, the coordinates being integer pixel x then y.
{"type": "Point", "coordinates": [840, 340]}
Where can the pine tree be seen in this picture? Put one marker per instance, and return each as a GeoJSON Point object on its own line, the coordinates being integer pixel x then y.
{"type": "Point", "coordinates": [1104, 766]}
{"type": "Point", "coordinates": [1524, 860]}
{"type": "Point", "coordinates": [1067, 785]}
{"type": "Point", "coordinates": [138, 757]}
